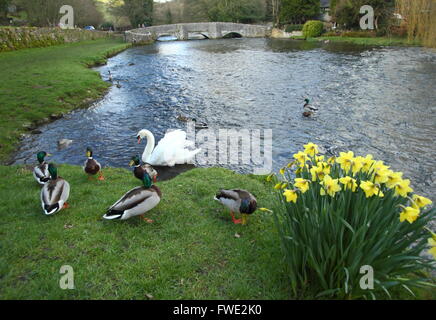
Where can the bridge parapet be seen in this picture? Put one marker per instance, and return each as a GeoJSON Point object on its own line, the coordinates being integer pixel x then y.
{"type": "Point", "coordinates": [212, 30]}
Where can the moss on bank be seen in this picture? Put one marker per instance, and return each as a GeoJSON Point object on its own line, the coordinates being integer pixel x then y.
{"type": "Point", "coordinates": [38, 83]}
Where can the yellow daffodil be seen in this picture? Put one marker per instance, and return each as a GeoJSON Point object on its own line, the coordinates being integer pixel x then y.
{"type": "Point", "coordinates": [349, 183]}
{"type": "Point", "coordinates": [291, 195]}
{"type": "Point", "coordinates": [331, 160]}
{"type": "Point", "coordinates": [324, 167]}
{"type": "Point", "coordinates": [315, 172]}
{"type": "Point", "coordinates": [278, 186]}
{"type": "Point", "coordinates": [367, 163]}
{"type": "Point", "coordinates": [370, 189]}
{"type": "Point", "coordinates": [432, 243]}
{"type": "Point", "coordinates": [319, 159]}
{"type": "Point", "coordinates": [282, 171]}
{"type": "Point", "coordinates": [402, 188]}
{"type": "Point", "coordinates": [379, 165]}
{"type": "Point", "coordinates": [356, 165]}
{"type": "Point", "coordinates": [320, 171]}
{"type": "Point", "coordinates": [381, 175]}
{"type": "Point", "coordinates": [269, 178]}
{"type": "Point", "coordinates": [284, 185]}
{"type": "Point", "coordinates": [410, 214]}
{"type": "Point", "coordinates": [331, 186]}
{"type": "Point", "coordinates": [265, 210]}
{"type": "Point", "coordinates": [302, 184]}
{"type": "Point", "coordinates": [432, 251]}
{"type": "Point", "coordinates": [420, 202]}
{"type": "Point", "coordinates": [393, 178]}
{"type": "Point", "coordinates": [311, 149]}
{"type": "Point", "coordinates": [301, 157]}
{"type": "Point", "coordinates": [345, 160]}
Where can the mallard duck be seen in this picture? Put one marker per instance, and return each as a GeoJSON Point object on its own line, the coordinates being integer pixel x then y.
{"type": "Point", "coordinates": [237, 200]}
{"type": "Point", "coordinates": [199, 125]}
{"type": "Point", "coordinates": [140, 170]}
{"type": "Point", "coordinates": [55, 193]}
{"type": "Point", "coordinates": [40, 172]}
{"type": "Point", "coordinates": [308, 109]}
{"type": "Point", "coordinates": [92, 166]}
{"type": "Point", "coordinates": [118, 85]}
{"type": "Point", "coordinates": [183, 118]}
{"type": "Point", "coordinates": [137, 201]}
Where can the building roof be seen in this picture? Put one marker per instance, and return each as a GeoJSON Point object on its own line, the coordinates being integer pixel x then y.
{"type": "Point", "coordinates": [325, 3]}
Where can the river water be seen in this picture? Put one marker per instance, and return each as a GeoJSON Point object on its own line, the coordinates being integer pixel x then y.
{"type": "Point", "coordinates": [371, 100]}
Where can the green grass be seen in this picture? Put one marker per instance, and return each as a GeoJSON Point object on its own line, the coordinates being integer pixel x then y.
{"type": "Point", "coordinates": [190, 251]}
{"type": "Point", "coordinates": [377, 41]}
{"type": "Point", "coordinates": [35, 83]}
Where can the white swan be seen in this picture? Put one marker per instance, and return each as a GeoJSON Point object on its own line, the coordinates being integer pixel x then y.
{"type": "Point", "coordinates": [172, 149]}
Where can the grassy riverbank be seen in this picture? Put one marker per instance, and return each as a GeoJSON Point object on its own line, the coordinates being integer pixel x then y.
{"type": "Point", "coordinates": [189, 252]}
{"type": "Point", "coordinates": [370, 41]}
{"type": "Point", "coordinates": [38, 83]}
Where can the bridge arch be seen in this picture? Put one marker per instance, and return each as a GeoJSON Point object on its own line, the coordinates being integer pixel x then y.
{"type": "Point", "coordinates": [231, 35]}
{"type": "Point", "coordinates": [211, 30]}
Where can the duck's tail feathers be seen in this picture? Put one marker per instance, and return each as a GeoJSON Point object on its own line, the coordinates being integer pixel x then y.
{"type": "Point", "coordinates": [51, 209]}
{"type": "Point", "coordinates": [113, 214]}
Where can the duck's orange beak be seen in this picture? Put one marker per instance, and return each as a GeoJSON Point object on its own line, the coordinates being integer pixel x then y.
{"type": "Point", "coordinates": [155, 179]}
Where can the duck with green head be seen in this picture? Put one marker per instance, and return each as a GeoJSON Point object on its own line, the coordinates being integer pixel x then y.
{"type": "Point", "coordinates": [92, 166]}
{"type": "Point", "coordinates": [139, 169]}
{"type": "Point", "coordinates": [239, 201]}
{"type": "Point", "coordinates": [308, 109]}
{"type": "Point", "coordinates": [137, 201]}
{"type": "Point", "coordinates": [55, 193]}
{"type": "Point", "coordinates": [40, 172]}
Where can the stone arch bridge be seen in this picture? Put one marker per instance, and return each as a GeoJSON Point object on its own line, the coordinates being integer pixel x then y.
{"type": "Point", "coordinates": [210, 30]}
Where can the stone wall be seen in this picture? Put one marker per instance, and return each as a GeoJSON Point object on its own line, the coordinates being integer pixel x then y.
{"type": "Point", "coordinates": [280, 34]}
{"type": "Point", "coordinates": [29, 37]}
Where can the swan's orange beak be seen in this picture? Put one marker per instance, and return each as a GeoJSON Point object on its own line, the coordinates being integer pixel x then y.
{"type": "Point", "coordinates": [139, 139]}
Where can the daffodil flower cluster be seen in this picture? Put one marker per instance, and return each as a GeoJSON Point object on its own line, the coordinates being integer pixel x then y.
{"type": "Point", "coordinates": [340, 176]}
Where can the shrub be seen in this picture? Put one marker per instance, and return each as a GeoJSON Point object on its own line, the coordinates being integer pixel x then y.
{"type": "Point", "coordinates": [344, 213]}
{"type": "Point", "coordinates": [294, 27]}
{"type": "Point", "coordinates": [313, 28]}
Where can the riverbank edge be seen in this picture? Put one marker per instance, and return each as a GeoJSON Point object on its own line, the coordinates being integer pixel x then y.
{"type": "Point", "coordinates": [378, 41]}
{"type": "Point", "coordinates": [87, 100]}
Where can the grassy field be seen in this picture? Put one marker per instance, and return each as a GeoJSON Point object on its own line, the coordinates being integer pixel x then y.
{"type": "Point", "coordinates": [36, 83]}
{"type": "Point", "coordinates": [189, 252]}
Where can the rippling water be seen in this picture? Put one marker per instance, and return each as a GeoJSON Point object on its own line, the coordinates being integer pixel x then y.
{"type": "Point", "coordinates": [370, 100]}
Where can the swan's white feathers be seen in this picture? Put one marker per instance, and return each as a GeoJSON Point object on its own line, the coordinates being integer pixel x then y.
{"type": "Point", "coordinates": [171, 150]}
